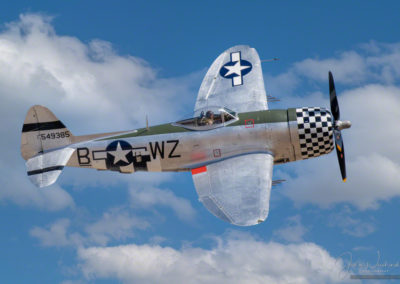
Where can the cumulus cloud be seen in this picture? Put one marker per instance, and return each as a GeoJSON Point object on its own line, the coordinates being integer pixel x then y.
{"type": "Point", "coordinates": [17, 188]}
{"type": "Point", "coordinates": [89, 86]}
{"type": "Point", "coordinates": [234, 260]}
{"type": "Point", "coordinates": [72, 282]}
{"type": "Point", "coordinates": [116, 224]}
{"type": "Point", "coordinates": [145, 197]}
{"type": "Point", "coordinates": [370, 179]}
{"type": "Point", "coordinates": [91, 80]}
{"type": "Point", "coordinates": [351, 225]}
{"type": "Point", "coordinates": [56, 235]}
{"type": "Point", "coordinates": [292, 231]}
{"type": "Point", "coordinates": [374, 109]}
{"type": "Point", "coordinates": [372, 155]}
{"type": "Point", "coordinates": [374, 62]}
{"type": "Point", "coordinates": [350, 67]}
{"type": "Point", "coordinates": [373, 160]}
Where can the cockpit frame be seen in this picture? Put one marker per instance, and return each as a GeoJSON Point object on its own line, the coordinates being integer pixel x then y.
{"type": "Point", "coordinates": [208, 118]}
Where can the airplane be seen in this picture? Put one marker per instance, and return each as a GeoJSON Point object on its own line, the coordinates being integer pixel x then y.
{"type": "Point", "coordinates": [229, 145]}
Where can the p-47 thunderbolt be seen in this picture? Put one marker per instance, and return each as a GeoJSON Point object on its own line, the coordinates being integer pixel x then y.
{"type": "Point", "coordinates": [229, 145]}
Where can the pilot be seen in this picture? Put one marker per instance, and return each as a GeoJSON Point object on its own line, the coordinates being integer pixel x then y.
{"type": "Point", "coordinates": [209, 117]}
{"type": "Point", "coordinates": [201, 119]}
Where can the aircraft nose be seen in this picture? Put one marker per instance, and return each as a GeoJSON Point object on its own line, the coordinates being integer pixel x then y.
{"type": "Point", "coordinates": [342, 124]}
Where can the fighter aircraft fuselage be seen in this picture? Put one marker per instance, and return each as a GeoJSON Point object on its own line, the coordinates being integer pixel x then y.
{"type": "Point", "coordinates": [172, 147]}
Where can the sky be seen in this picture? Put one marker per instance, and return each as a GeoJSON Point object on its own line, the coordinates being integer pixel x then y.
{"type": "Point", "coordinates": [102, 66]}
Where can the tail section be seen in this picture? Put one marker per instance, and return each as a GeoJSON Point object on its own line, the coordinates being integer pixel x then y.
{"type": "Point", "coordinates": [45, 144]}
{"type": "Point", "coordinates": [43, 131]}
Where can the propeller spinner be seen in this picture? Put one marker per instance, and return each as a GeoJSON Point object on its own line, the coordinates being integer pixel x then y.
{"type": "Point", "coordinates": [338, 125]}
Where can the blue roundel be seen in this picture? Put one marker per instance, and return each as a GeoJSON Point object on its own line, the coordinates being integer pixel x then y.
{"type": "Point", "coordinates": [235, 69]}
{"type": "Point", "coordinates": [118, 154]}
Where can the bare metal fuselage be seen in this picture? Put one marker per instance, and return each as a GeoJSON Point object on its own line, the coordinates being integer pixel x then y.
{"type": "Point", "coordinates": [173, 148]}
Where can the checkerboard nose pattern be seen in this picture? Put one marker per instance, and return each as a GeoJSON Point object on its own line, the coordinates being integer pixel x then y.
{"type": "Point", "coordinates": [315, 131]}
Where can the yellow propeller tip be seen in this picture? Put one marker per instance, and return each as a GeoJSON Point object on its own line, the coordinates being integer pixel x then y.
{"type": "Point", "coordinates": [344, 180]}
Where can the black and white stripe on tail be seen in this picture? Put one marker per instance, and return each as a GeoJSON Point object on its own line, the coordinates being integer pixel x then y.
{"type": "Point", "coordinates": [43, 131]}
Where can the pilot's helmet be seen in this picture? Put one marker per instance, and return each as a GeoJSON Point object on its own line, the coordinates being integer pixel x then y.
{"type": "Point", "coordinates": [209, 114]}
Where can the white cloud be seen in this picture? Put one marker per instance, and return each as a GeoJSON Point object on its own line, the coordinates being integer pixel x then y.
{"type": "Point", "coordinates": [350, 67]}
{"type": "Point", "coordinates": [115, 224]}
{"type": "Point", "coordinates": [16, 187]}
{"type": "Point", "coordinates": [292, 231]}
{"type": "Point", "coordinates": [56, 235]}
{"type": "Point", "coordinates": [346, 220]}
{"type": "Point", "coordinates": [242, 260]}
{"type": "Point", "coordinates": [282, 84]}
{"type": "Point", "coordinates": [373, 63]}
{"type": "Point", "coordinates": [370, 179]}
{"type": "Point", "coordinates": [145, 197]}
{"type": "Point", "coordinates": [372, 155]}
{"type": "Point", "coordinates": [90, 87]}
{"type": "Point", "coordinates": [376, 62]}
{"type": "Point", "coordinates": [156, 240]}
{"type": "Point", "coordinates": [72, 282]}
{"type": "Point", "coordinates": [88, 83]}
{"type": "Point", "coordinates": [80, 178]}
{"type": "Point", "coordinates": [373, 109]}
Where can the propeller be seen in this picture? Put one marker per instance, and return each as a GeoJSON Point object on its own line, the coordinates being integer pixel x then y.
{"type": "Point", "coordinates": [338, 125]}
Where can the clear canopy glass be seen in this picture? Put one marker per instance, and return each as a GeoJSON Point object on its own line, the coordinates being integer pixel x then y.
{"type": "Point", "coordinates": [208, 118]}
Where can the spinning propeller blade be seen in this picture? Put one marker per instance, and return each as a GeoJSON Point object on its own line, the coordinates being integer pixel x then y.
{"type": "Point", "coordinates": [334, 102]}
{"type": "Point", "coordinates": [338, 125]}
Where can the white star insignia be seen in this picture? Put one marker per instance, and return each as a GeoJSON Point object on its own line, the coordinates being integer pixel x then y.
{"type": "Point", "coordinates": [237, 69]}
{"type": "Point", "coordinates": [119, 154]}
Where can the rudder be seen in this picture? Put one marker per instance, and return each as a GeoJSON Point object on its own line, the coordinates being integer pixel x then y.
{"type": "Point", "coordinates": [42, 131]}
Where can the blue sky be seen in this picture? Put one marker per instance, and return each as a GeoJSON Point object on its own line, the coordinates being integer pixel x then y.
{"type": "Point", "coordinates": [103, 67]}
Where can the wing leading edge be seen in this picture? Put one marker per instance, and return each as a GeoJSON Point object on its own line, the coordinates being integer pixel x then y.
{"type": "Point", "coordinates": [236, 190]}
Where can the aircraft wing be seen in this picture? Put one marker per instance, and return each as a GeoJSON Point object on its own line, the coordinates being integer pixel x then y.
{"type": "Point", "coordinates": [236, 190]}
{"type": "Point", "coordinates": [234, 81]}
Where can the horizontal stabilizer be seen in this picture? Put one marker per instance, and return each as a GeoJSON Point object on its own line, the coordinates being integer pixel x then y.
{"type": "Point", "coordinates": [44, 169]}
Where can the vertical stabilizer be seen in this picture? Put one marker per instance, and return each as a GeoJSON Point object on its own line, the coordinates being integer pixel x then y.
{"type": "Point", "coordinates": [42, 131]}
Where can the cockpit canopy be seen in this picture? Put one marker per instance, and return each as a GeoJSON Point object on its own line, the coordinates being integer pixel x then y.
{"type": "Point", "coordinates": [208, 118]}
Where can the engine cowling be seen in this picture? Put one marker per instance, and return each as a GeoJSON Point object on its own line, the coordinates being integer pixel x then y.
{"type": "Point", "coordinates": [314, 132]}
